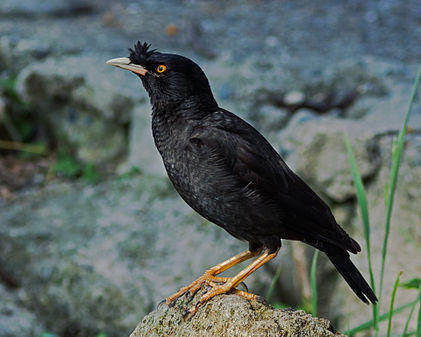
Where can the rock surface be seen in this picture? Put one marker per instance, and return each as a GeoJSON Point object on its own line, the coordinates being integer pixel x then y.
{"type": "Point", "coordinates": [15, 319]}
{"type": "Point", "coordinates": [234, 316]}
{"type": "Point", "coordinates": [95, 259]}
{"type": "Point", "coordinates": [79, 102]}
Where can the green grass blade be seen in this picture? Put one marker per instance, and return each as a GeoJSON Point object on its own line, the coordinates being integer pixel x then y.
{"type": "Point", "coordinates": [362, 201]}
{"type": "Point", "coordinates": [409, 334]}
{"type": "Point", "coordinates": [369, 324]}
{"type": "Point", "coordinates": [314, 283]}
{"type": "Point", "coordinates": [392, 302]}
{"type": "Point", "coordinates": [273, 284]}
{"type": "Point", "coordinates": [396, 160]}
{"type": "Point", "coordinates": [359, 186]}
{"type": "Point", "coordinates": [17, 146]}
{"type": "Point", "coordinates": [405, 333]}
{"type": "Point", "coordinates": [419, 316]}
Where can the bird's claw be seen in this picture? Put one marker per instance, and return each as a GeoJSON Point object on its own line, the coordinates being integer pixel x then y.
{"type": "Point", "coordinates": [262, 300]}
{"type": "Point", "coordinates": [192, 311]}
{"type": "Point", "coordinates": [244, 286]}
{"type": "Point", "coordinates": [162, 303]}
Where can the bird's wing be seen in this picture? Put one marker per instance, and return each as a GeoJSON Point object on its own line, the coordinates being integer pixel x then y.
{"type": "Point", "coordinates": [249, 157]}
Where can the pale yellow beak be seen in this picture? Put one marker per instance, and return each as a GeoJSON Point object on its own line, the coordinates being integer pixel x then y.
{"type": "Point", "coordinates": [125, 63]}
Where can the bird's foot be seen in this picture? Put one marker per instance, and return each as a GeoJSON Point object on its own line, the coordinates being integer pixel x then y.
{"type": "Point", "coordinates": [208, 278]}
{"type": "Point", "coordinates": [217, 289]}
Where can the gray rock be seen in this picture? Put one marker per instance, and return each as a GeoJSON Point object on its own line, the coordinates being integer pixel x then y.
{"type": "Point", "coordinates": [234, 316]}
{"type": "Point", "coordinates": [317, 148]}
{"type": "Point", "coordinates": [142, 150]}
{"type": "Point", "coordinates": [29, 8]}
{"type": "Point", "coordinates": [86, 104]}
{"type": "Point", "coordinates": [294, 97]}
{"type": "Point", "coordinates": [269, 118]}
{"type": "Point", "coordinates": [15, 319]}
{"type": "Point", "coordinates": [95, 259]}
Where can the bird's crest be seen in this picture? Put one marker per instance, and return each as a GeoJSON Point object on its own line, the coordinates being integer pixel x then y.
{"type": "Point", "coordinates": [141, 53]}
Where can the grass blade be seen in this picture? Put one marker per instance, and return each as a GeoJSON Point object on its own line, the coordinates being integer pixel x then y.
{"type": "Point", "coordinates": [314, 283]}
{"type": "Point", "coordinates": [369, 324]}
{"type": "Point", "coordinates": [396, 160]}
{"type": "Point", "coordinates": [16, 146]}
{"type": "Point", "coordinates": [404, 333]}
{"type": "Point", "coordinates": [392, 302]}
{"type": "Point", "coordinates": [273, 284]}
{"type": "Point", "coordinates": [362, 202]}
{"type": "Point", "coordinates": [419, 316]}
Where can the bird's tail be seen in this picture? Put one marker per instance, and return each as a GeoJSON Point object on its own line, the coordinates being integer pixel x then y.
{"type": "Point", "coordinates": [342, 262]}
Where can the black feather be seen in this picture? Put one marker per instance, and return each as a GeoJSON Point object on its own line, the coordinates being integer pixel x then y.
{"type": "Point", "coordinates": [141, 53]}
{"type": "Point", "coordinates": [342, 262]}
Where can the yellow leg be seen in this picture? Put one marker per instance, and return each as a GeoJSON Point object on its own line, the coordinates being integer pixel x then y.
{"type": "Point", "coordinates": [235, 281]}
{"type": "Point", "coordinates": [210, 274]}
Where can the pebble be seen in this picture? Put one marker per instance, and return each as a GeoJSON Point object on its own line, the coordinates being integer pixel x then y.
{"type": "Point", "coordinates": [294, 98]}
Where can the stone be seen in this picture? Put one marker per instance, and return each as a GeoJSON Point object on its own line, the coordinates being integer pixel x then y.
{"type": "Point", "coordinates": [143, 153]}
{"type": "Point", "coordinates": [317, 151]}
{"type": "Point", "coordinates": [294, 97]}
{"type": "Point", "coordinates": [234, 316]}
{"type": "Point", "coordinates": [85, 104]}
{"type": "Point", "coordinates": [96, 258]}
{"type": "Point", "coordinates": [31, 8]}
{"type": "Point", "coordinates": [15, 319]}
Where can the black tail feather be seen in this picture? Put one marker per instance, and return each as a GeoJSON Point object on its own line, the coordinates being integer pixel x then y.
{"type": "Point", "coordinates": [342, 262]}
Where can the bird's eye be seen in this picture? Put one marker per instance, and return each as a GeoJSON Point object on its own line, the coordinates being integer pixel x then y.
{"type": "Point", "coordinates": [161, 68]}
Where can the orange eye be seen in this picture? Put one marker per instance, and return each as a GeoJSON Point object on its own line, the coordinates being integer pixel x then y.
{"type": "Point", "coordinates": [161, 68]}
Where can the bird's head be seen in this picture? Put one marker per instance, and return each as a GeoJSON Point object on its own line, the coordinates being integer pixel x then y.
{"type": "Point", "coordinates": [170, 80]}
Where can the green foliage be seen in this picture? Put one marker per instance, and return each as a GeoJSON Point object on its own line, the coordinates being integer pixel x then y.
{"type": "Point", "coordinates": [17, 117]}
{"type": "Point", "coordinates": [362, 202]}
{"type": "Point", "coordinates": [369, 324]}
{"type": "Point", "coordinates": [8, 87]}
{"type": "Point", "coordinates": [101, 334]}
{"type": "Point", "coordinates": [90, 173]}
{"type": "Point", "coordinates": [68, 167]}
{"type": "Point", "coordinates": [419, 315]}
{"type": "Point", "coordinates": [414, 283]}
{"type": "Point", "coordinates": [314, 283]}
{"type": "Point", "coordinates": [392, 302]}
{"type": "Point", "coordinates": [404, 333]}
{"type": "Point", "coordinates": [273, 284]}
{"type": "Point", "coordinates": [27, 150]}
{"type": "Point", "coordinates": [48, 334]}
{"type": "Point", "coordinates": [134, 171]}
{"type": "Point", "coordinates": [279, 305]}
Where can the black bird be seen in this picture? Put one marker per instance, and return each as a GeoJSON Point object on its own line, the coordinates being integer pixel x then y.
{"type": "Point", "coordinates": [230, 174]}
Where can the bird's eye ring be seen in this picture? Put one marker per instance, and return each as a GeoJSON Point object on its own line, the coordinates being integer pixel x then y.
{"type": "Point", "coordinates": [161, 68]}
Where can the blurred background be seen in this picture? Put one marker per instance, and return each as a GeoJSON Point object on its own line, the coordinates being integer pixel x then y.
{"type": "Point", "coordinates": [92, 234]}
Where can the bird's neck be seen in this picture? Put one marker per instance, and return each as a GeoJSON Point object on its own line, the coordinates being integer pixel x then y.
{"type": "Point", "coordinates": [190, 108]}
{"type": "Point", "coordinates": [173, 123]}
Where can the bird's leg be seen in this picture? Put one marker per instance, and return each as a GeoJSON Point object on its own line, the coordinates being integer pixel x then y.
{"type": "Point", "coordinates": [235, 281]}
{"type": "Point", "coordinates": [210, 274]}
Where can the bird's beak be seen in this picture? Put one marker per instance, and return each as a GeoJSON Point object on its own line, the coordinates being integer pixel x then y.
{"type": "Point", "coordinates": [125, 63]}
